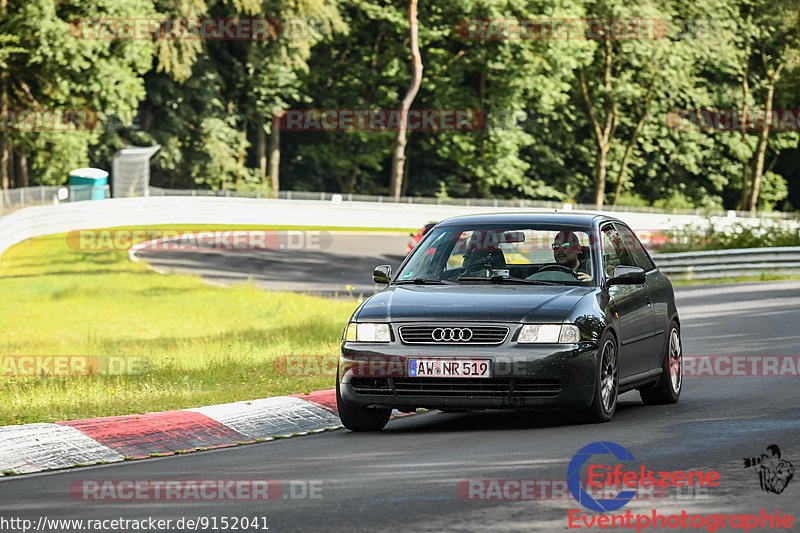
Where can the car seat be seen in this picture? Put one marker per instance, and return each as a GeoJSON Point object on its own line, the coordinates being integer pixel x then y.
{"type": "Point", "coordinates": [481, 262]}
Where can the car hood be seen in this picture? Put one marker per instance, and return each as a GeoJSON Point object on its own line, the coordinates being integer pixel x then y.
{"type": "Point", "coordinates": [472, 303]}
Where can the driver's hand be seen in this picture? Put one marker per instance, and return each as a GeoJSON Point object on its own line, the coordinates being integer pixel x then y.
{"type": "Point", "coordinates": [583, 276]}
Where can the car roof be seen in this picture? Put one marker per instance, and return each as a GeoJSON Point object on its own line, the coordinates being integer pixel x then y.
{"type": "Point", "coordinates": [586, 219]}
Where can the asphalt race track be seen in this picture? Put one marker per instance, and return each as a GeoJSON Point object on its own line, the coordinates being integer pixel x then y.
{"type": "Point", "coordinates": [405, 478]}
{"type": "Point", "coordinates": [319, 262]}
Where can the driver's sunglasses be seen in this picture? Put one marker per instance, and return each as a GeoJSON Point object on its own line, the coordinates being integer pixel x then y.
{"type": "Point", "coordinates": [563, 246]}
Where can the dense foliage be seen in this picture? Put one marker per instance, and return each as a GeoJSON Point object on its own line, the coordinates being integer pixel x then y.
{"type": "Point", "coordinates": [574, 119]}
{"type": "Point", "coordinates": [710, 237]}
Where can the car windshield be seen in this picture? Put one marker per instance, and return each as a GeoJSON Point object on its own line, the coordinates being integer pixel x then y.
{"type": "Point", "coordinates": [535, 254]}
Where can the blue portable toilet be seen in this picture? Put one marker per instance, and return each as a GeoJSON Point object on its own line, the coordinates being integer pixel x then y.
{"type": "Point", "coordinates": [88, 184]}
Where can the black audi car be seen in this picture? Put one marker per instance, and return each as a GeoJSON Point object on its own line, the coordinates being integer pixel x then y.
{"type": "Point", "coordinates": [513, 311]}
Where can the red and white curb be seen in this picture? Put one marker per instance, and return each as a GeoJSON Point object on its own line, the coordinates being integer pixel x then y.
{"type": "Point", "coordinates": [36, 447]}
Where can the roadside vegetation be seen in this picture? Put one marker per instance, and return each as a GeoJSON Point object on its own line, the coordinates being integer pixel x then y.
{"type": "Point", "coordinates": [201, 344]}
{"type": "Point", "coordinates": [696, 237]}
{"type": "Point", "coordinates": [764, 276]}
{"type": "Point", "coordinates": [204, 344]}
{"type": "Point", "coordinates": [669, 116]}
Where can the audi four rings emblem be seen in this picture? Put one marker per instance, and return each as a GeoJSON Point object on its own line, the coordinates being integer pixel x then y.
{"type": "Point", "coordinates": [452, 334]}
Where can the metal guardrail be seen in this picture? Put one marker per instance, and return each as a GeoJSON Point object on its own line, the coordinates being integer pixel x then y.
{"type": "Point", "coordinates": [14, 199]}
{"type": "Point", "coordinates": [717, 264]}
{"type": "Point", "coordinates": [468, 202]}
{"type": "Point", "coordinates": [142, 211]}
{"type": "Point", "coordinates": [51, 219]}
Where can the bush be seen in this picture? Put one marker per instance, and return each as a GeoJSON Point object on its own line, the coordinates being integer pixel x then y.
{"type": "Point", "coordinates": [739, 235]}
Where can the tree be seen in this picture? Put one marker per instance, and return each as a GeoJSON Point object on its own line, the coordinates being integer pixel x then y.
{"type": "Point", "coordinates": [627, 79]}
{"type": "Point", "coordinates": [209, 105]}
{"type": "Point", "coordinates": [8, 42]}
{"type": "Point", "coordinates": [358, 70]}
{"type": "Point", "coordinates": [276, 67]}
{"type": "Point", "coordinates": [770, 41]}
{"type": "Point", "coordinates": [53, 67]}
{"type": "Point", "coordinates": [399, 157]}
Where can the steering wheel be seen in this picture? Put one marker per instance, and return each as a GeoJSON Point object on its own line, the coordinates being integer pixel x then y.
{"type": "Point", "coordinates": [557, 267]}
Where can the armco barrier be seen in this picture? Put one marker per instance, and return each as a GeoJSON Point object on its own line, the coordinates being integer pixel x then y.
{"type": "Point", "coordinates": [14, 199]}
{"type": "Point", "coordinates": [50, 219]}
{"type": "Point", "coordinates": [525, 203]}
{"type": "Point", "coordinates": [730, 263]}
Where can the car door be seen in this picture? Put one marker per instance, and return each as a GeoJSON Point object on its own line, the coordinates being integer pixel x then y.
{"type": "Point", "coordinates": [632, 304]}
{"type": "Point", "coordinates": [658, 288]}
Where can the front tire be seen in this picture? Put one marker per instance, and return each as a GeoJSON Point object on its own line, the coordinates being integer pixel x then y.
{"type": "Point", "coordinates": [357, 418]}
{"type": "Point", "coordinates": [668, 388]}
{"type": "Point", "coordinates": [607, 383]}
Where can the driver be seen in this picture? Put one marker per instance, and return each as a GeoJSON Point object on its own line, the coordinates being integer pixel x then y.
{"type": "Point", "coordinates": [566, 248]}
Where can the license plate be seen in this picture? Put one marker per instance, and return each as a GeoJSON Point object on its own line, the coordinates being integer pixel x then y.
{"type": "Point", "coordinates": [449, 368]}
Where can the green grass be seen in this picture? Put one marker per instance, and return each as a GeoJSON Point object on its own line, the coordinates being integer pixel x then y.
{"type": "Point", "coordinates": [204, 344]}
{"type": "Point", "coordinates": [739, 279]}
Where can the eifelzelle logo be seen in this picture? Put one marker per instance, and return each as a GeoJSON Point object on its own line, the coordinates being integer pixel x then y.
{"type": "Point", "coordinates": [603, 475]}
{"type": "Point", "coordinates": [595, 457]}
{"type": "Point", "coordinates": [616, 476]}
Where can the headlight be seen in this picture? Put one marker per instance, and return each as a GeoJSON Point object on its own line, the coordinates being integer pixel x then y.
{"type": "Point", "coordinates": [367, 332]}
{"type": "Point", "coordinates": [549, 333]}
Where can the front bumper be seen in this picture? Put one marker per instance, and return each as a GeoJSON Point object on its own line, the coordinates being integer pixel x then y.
{"type": "Point", "coordinates": [536, 377]}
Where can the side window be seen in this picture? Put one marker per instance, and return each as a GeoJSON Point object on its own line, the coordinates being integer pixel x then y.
{"type": "Point", "coordinates": [458, 253]}
{"type": "Point", "coordinates": [428, 264]}
{"type": "Point", "coordinates": [638, 255]}
{"type": "Point", "coordinates": [613, 253]}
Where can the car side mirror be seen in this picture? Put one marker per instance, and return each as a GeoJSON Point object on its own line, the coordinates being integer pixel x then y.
{"type": "Point", "coordinates": [627, 275]}
{"type": "Point", "coordinates": [383, 274]}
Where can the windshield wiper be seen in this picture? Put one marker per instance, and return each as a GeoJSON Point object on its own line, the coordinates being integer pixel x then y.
{"type": "Point", "coordinates": [535, 281]}
{"type": "Point", "coordinates": [424, 281]}
{"type": "Point", "coordinates": [504, 279]}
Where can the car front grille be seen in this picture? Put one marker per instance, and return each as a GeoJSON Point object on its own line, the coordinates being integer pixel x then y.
{"type": "Point", "coordinates": [459, 387]}
{"type": "Point", "coordinates": [453, 334]}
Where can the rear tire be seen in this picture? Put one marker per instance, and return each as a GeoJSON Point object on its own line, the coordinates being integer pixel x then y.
{"type": "Point", "coordinates": [606, 383]}
{"type": "Point", "coordinates": [357, 418]}
{"type": "Point", "coordinates": [668, 388]}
